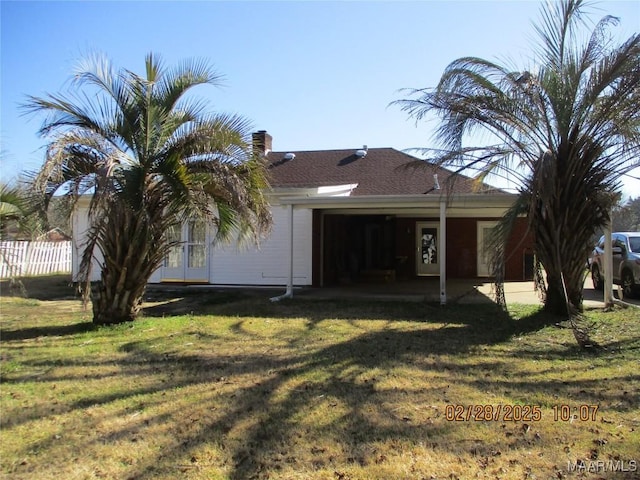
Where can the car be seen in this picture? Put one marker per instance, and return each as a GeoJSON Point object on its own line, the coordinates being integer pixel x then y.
{"type": "Point", "coordinates": [626, 262]}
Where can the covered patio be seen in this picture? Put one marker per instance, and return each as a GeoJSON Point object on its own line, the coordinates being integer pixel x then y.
{"type": "Point", "coordinates": [426, 289]}
{"type": "Point", "coordinates": [468, 291]}
{"type": "Point", "coordinates": [422, 246]}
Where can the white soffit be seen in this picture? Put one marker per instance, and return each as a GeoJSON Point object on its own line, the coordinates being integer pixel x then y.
{"type": "Point", "coordinates": [337, 190]}
{"type": "Point", "coordinates": [325, 191]}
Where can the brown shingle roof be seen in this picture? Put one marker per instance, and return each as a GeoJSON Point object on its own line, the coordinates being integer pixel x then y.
{"type": "Point", "coordinates": [381, 172]}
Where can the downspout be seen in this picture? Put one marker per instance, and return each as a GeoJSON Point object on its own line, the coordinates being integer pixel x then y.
{"type": "Point", "coordinates": [289, 292]}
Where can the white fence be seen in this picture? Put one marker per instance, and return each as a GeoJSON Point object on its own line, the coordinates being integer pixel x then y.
{"type": "Point", "coordinates": [22, 259]}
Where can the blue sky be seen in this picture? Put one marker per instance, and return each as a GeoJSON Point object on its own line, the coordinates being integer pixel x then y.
{"type": "Point", "coordinates": [315, 75]}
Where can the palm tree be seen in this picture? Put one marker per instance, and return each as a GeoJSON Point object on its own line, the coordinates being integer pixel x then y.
{"type": "Point", "coordinates": [23, 210]}
{"type": "Point", "coordinates": [564, 131]}
{"type": "Point", "coordinates": [150, 158]}
{"type": "Point", "coordinates": [12, 206]}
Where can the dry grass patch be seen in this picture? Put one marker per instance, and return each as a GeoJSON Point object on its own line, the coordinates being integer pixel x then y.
{"type": "Point", "coordinates": [243, 388]}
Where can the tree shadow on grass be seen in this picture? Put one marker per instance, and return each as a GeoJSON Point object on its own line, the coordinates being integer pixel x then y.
{"type": "Point", "coordinates": [185, 301]}
{"type": "Point", "coordinates": [262, 424]}
{"type": "Point", "coordinates": [347, 382]}
{"type": "Point", "coordinates": [274, 416]}
{"type": "Point", "coordinates": [256, 305]}
{"type": "Point", "coordinates": [47, 331]}
{"type": "Point", "coordinates": [46, 287]}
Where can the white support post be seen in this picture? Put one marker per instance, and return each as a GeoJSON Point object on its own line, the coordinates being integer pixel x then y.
{"type": "Point", "coordinates": [322, 249]}
{"type": "Point", "coordinates": [442, 252]}
{"type": "Point", "coordinates": [290, 277]}
{"type": "Point", "coordinates": [608, 267]}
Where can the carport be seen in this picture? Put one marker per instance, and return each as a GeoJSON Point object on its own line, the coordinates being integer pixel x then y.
{"type": "Point", "coordinates": [384, 237]}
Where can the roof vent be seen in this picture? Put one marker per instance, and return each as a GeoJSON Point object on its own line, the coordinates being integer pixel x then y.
{"type": "Point", "coordinates": [361, 153]}
{"type": "Point", "coordinates": [436, 184]}
{"type": "Point", "coordinates": [289, 156]}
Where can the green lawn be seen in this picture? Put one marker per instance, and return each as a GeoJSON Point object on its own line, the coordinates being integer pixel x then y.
{"type": "Point", "coordinates": [236, 387]}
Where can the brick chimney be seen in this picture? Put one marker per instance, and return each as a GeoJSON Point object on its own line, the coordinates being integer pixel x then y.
{"type": "Point", "coordinates": [262, 142]}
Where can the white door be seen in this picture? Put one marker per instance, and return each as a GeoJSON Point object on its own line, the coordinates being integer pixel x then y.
{"type": "Point", "coordinates": [427, 254]}
{"type": "Point", "coordinates": [187, 261]}
{"type": "Point", "coordinates": [173, 267]}
{"type": "Point", "coordinates": [484, 230]}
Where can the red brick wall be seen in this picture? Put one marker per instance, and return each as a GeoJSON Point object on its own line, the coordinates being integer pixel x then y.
{"type": "Point", "coordinates": [519, 246]}
{"type": "Point", "coordinates": [406, 248]}
{"type": "Point", "coordinates": [462, 247]}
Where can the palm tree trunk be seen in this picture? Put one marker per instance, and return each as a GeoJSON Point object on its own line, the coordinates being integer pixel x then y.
{"type": "Point", "coordinates": [112, 306]}
{"type": "Point", "coordinates": [555, 302]}
{"type": "Point", "coordinates": [563, 220]}
{"type": "Point", "coordinates": [564, 274]}
{"type": "Point", "coordinates": [117, 298]}
{"type": "Point", "coordinates": [129, 262]}
{"type": "Point", "coordinates": [563, 257]}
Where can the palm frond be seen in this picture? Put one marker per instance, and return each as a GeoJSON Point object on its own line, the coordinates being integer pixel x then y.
{"type": "Point", "coordinates": [11, 202]}
{"type": "Point", "coordinates": [150, 157]}
{"type": "Point", "coordinates": [566, 130]}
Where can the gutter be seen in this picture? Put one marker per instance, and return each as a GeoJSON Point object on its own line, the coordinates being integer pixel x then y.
{"type": "Point", "coordinates": [360, 201]}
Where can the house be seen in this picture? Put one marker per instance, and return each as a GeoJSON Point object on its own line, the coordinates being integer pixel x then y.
{"type": "Point", "coordinates": [54, 235]}
{"type": "Point", "coordinates": [353, 215]}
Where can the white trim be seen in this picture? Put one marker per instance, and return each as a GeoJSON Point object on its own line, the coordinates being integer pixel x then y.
{"type": "Point", "coordinates": [425, 206]}
{"type": "Point", "coordinates": [467, 201]}
{"type": "Point", "coordinates": [337, 190]}
{"type": "Point", "coordinates": [341, 190]}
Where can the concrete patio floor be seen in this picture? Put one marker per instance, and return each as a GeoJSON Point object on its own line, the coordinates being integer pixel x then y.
{"type": "Point", "coordinates": [458, 290]}
{"type": "Point", "coordinates": [417, 290]}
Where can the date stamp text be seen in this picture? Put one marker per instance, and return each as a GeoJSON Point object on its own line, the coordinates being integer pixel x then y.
{"type": "Point", "coordinates": [518, 413]}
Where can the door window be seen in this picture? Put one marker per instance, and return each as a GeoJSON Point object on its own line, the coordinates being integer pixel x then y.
{"type": "Point", "coordinates": [427, 251]}
{"type": "Point", "coordinates": [174, 257]}
{"type": "Point", "coordinates": [484, 253]}
{"type": "Point", "coordinates": [197, 254]}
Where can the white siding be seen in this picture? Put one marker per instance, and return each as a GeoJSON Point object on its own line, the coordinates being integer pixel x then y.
{"type": "Point", "coordinates": [79, 239]}
{"type": "Point", "coordinates": [80, 225]}
{"type": "Point", "coordinates": [268, 263]}
{"type": "Point", "coordinates": [233, 265]}
{"type": "Point", "coordinates": [156, 276]}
